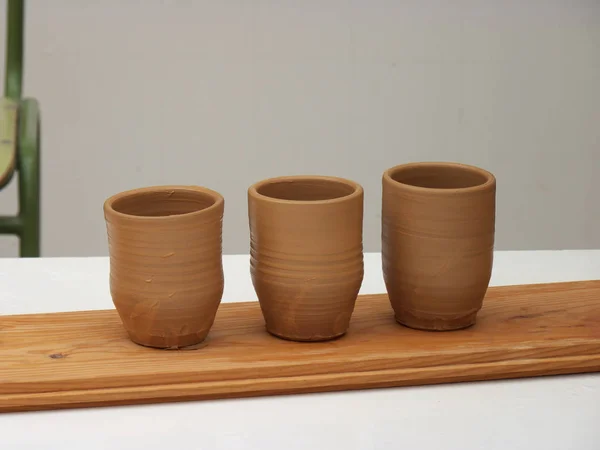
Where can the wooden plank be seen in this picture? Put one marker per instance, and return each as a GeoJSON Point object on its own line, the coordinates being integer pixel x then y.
{"type": "Point", "coordinates": [78, 359]}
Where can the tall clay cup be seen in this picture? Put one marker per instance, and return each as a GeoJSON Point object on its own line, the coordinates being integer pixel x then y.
{"type": "Point", "coordinates": [166, 270]}
{"type": "Point", "coordinates": [306, 256]}
{"type": "Point", "coordinates": [438, 226]}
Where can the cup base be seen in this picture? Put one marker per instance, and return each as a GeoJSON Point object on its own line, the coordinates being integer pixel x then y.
{"type": "Point", "coordinates": [435, 324]}
{"type": "Point", "coordinates": [316, 338]}
{"type": "Point", "coordinates": [187, 342]}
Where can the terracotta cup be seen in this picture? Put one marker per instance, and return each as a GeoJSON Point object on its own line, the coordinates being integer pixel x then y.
{"type": "Point", "coordinates": [166, 270]}
{"type": "Point", "coordinates": [306, 254]}
{"type": "Point", "coordinates": [438, 222]}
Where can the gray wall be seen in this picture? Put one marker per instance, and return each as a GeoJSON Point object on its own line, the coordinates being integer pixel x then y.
{"type": "Point", "coordinates": [225, 93]}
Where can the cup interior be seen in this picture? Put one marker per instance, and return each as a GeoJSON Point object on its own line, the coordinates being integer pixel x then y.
{"type": "Point", "coordinates": [170, 202]}
{"type": "Point", "coordinates": [440, 176]}
{"type": "Point", "coordinates": [305, 189]}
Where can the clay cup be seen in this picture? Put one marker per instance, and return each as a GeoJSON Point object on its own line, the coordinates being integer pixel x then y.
{"type": "Point", "coordinates": [166, 270]}
{"type": "Point", "coordinates": [438, 224]}
{"type": "Point", "coordinates": [306, 256]}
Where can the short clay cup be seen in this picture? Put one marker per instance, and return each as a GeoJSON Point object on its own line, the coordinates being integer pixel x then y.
{"type": "Point", "coordinates": [306, 256]}
{"type": "Point", "coordinates": [438, 225]}
{"type": "Point", "coordinates": [166, 270]}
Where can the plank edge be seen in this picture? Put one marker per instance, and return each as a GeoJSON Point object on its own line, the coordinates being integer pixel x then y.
{"type": "Point", "coordinates": [165, 393]}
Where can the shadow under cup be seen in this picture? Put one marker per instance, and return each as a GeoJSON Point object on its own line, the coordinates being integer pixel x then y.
{"type": "Point", "coordinates": [438, 226]}
{"type": "Point", "coordinates": [166, 271]}
{"type": "Point", "coordinates": [306, 254]}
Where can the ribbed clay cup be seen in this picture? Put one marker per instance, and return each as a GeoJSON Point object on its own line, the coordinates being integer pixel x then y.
{"type": "Point", "coordinates": [438, 223]}
{"type": "Point", "coordinates": [166, 270]}
{"type": "Point", "coordinates": [306, 254]}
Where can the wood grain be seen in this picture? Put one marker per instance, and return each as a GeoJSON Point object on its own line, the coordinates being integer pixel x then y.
{"type": "Point", "coordinates": [79, 359]}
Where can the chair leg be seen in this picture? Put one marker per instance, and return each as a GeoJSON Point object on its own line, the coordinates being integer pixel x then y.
{"type": "Point", "coordinates": [29, 177]}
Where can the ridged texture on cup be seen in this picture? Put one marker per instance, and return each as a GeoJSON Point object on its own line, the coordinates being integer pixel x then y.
{"type": "Point", "coordinates": [438, 224]}
{"type": "Point", "coordinates": [306, 254]}
{"type": "Point", "coordinates": [166, 271]}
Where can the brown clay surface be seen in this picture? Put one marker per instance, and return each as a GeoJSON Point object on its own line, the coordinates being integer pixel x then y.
{"type": "Point", "coordinates": [306, 254]}
{"type": "Point", "coordinates": [438, 222]}
{"type": "Point", "coordinates": [166, 272]}
{"type": "Point", "coordinates": [70, 360]}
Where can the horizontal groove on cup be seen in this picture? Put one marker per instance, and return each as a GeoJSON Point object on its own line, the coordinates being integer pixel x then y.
{"type": "Point", "coordinates": [276, 263]}
{"type": "Point", "coordinates": [159, 245]}
{"type": "Point", "coordinates": [389, 228]}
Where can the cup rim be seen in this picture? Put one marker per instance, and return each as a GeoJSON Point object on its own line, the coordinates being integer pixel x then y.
{"type": "Point", "coordinates": [490, 179]}
{"type": "Point", "coordinates": [109, 202]}
{"type": "Point", "coordinates": [357, 189]}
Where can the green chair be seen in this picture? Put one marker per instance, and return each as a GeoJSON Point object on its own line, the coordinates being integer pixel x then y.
{"type": "Point", "coordinates": [20, 140]}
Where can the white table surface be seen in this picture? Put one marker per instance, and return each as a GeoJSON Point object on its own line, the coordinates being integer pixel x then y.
{"type": "Point", "coordinates": [560, 412]}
